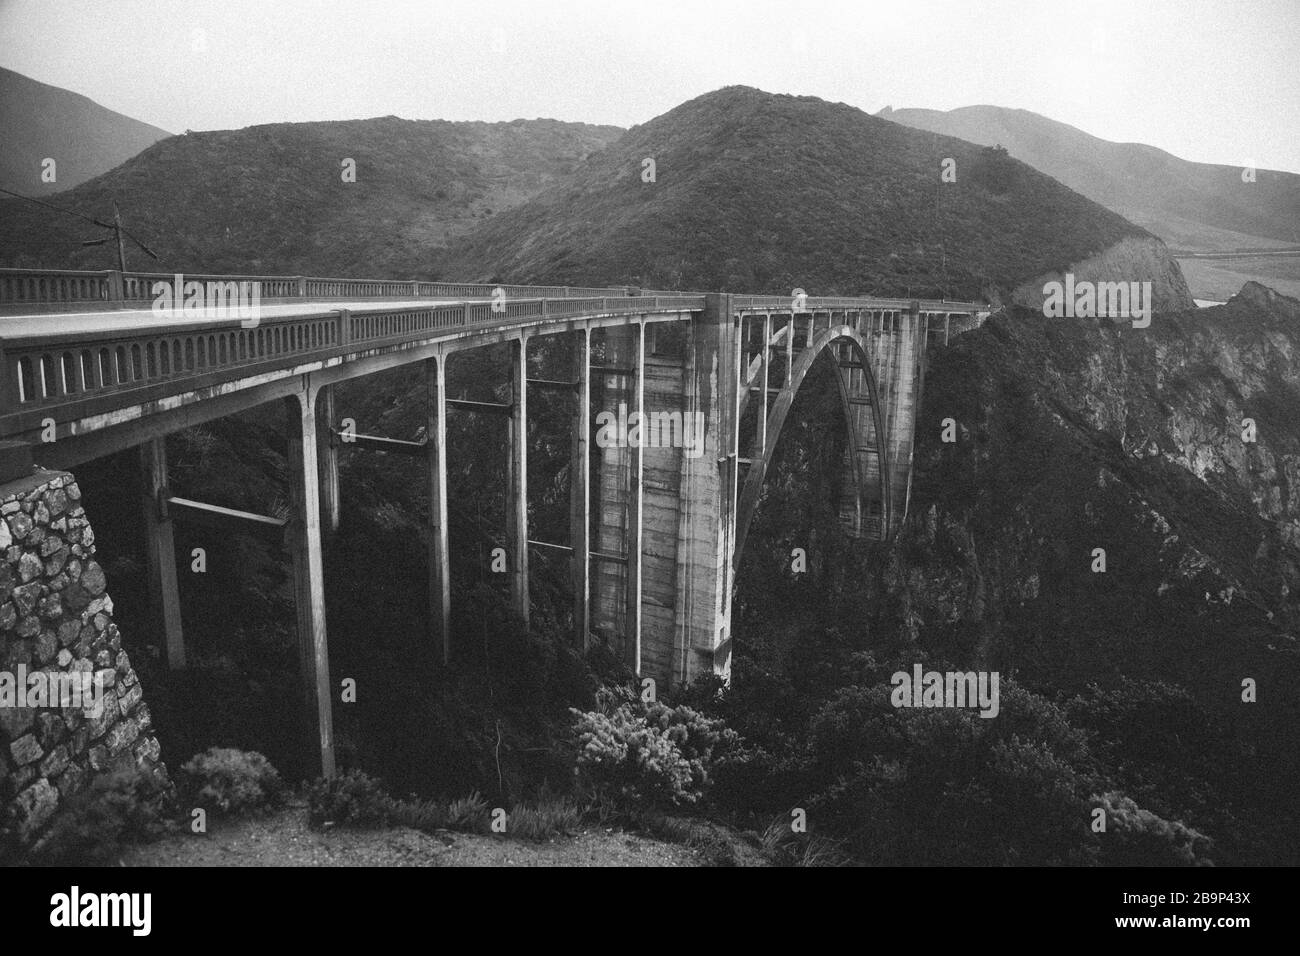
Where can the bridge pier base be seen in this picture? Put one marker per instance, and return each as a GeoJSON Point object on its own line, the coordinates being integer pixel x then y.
{"type": "Point", "coordinates": [304, 533]}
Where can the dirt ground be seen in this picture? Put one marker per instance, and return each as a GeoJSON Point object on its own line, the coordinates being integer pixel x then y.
{"type": "Point", "coordinates": [284, 839]}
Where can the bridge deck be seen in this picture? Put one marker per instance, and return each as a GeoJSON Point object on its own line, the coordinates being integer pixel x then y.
{"type": "Point", "coordinates": [88, 351]}
{"type": "Point", "coordinates": [72, 324]}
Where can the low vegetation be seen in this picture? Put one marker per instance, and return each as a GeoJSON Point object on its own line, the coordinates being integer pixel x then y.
{"type": "Point", "coordinates": [97, 824]}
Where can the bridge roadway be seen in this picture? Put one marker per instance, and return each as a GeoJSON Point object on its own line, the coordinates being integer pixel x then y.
{"type": "Point", "coordinates": [88, 368]}
{"type": "Point", "coordinates": [76, 324]}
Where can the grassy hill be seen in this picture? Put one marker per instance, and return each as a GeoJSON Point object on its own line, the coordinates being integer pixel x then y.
{"type": "Point", "coordinates": [83, 138]}
{"type": "Point", "coordinates": [272, 199]}
{"type": "Point", "coordinates": [763, 193]}
{"type": "Point", "coordinates": [1191, 206]}
{"type": "Point", "coordinates": [750, 192]}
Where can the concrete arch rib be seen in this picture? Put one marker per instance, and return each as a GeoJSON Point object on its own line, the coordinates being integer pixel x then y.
{"type": "Point", "coordinates": [753, 486]}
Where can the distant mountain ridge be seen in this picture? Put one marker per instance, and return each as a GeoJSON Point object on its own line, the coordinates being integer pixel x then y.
{"type": "Point", "coordinates": [746, 191]}
{"type": "Point", "coordinates": [1191, 206]}
{"type": "Point", "coordinates": [84, 139]}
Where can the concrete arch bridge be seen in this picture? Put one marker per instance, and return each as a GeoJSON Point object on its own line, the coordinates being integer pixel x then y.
{"type": "Point", "coordinates": [657, 518]}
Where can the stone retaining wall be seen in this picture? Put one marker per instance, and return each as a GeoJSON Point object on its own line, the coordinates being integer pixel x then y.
{"type": "Point", "coordinates": [56, 617]}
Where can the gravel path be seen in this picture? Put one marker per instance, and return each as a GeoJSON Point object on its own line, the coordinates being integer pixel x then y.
{"type": "Point", "coordinates": [284, 839]}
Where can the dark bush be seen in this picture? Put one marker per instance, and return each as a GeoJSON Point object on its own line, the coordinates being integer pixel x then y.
{"type": "Point", "coordinates": [101, 821]}
{"type": "Point", "coordinates": [229, 782]}
{"type": "Point", "coordinates": [348, 799]}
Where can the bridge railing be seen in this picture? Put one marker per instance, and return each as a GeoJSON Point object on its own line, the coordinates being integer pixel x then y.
{"type": "Point", "coordinates": [72, 373]}
{"type": "Point", "coordinates": [761, 303]}
{"type": "Point", "coordinates": [52, 287]}
{"type": "Point", "coordinates": [138, 287]}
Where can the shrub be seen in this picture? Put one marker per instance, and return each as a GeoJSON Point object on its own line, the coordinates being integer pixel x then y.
{"type": "Point", "coordinates": [98, 823]}
{"type": "Point", "coordinates": [753, 781]}
{"type": "Point", "coordinates": [232, 782]}
{"type": "Point", "coordinates": [350, 799]}
{"type": "Point", "coordinates": [357, 799]}
{"type": "Point", "coordinates": [945, 787]}
{"type": "Point", "coordinates": [1195, 768]}
{"type": "Point", "coordinates": [1138, 837]}
{"type": "Point", "coordinates": [649, 753]}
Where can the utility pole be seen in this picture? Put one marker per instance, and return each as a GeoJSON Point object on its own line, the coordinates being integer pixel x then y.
{"type": "Point", "coordinates": [116, 226]}
{"type": "Point", "coordinates": [117, 231]}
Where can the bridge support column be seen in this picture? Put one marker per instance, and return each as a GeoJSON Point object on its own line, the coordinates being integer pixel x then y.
{"type": "Point", "coordinates": [329, 462]}
{"type": "Point", "coordinates": [760, 437]}
{"type": "Point", "coordinates": [851, 482]}
{"type": "Point", "coordinates": [920, 339]}
{"type": "Point", "coordinates": [308, 571]}
{"type": "Point", "coordinates": [789, 347]}
{"type": "Point", "coordinates": [707, 522]}
{"type": "Point", "coordinates": [161, 550]}
{"type": "Point", "coordinates": [580, 490]}
{"type": "Point", "coordinates": [517, 486]}
{"type": "Point", "coordinates": [636, 503]}
{"type": "Point", "coordinates": [436, 457]}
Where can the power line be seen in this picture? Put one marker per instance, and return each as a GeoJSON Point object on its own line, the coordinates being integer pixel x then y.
{"type": "Point", "coordinates": [70, 212]}
{"type": "Point", "coordinates": [116, 225]}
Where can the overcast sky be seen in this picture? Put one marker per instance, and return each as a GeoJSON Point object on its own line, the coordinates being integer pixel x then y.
{"type": "Point", "coordinates": [1209, 80]}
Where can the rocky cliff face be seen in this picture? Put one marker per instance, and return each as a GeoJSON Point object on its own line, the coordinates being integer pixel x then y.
{"type": "Point", "coordinates": [1132, 259]}
{"type": "Point", "coordinates": [1077, 435]}
{"type": "Point", "coordinates": [1108, 531]}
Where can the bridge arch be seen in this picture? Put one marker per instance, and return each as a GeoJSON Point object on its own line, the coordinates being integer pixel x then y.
{"type": "Point", "coordinates": [825, 340]}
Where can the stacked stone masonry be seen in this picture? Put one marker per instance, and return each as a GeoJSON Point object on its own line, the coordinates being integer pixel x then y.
{"type": "Point", "coordinates": [56, 616]}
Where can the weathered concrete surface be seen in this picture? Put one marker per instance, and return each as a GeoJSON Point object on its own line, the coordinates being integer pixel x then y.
{"type": "Point", "coordinates": [708, 488]}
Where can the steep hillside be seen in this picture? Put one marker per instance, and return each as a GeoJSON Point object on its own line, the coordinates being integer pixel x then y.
{"type": "Point", "coordinates": [1192, 206]}
{"type": "Point", "coordinates": [762, 193]}
{"type": "Point", "coordinates": [272, 199]}
{"type": "Point", "coordinates": [45, 122]}
{"type": "Point", "coordinates": [1076, 435]}
{"type": "Point", "coordinates": [1072, 436]}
